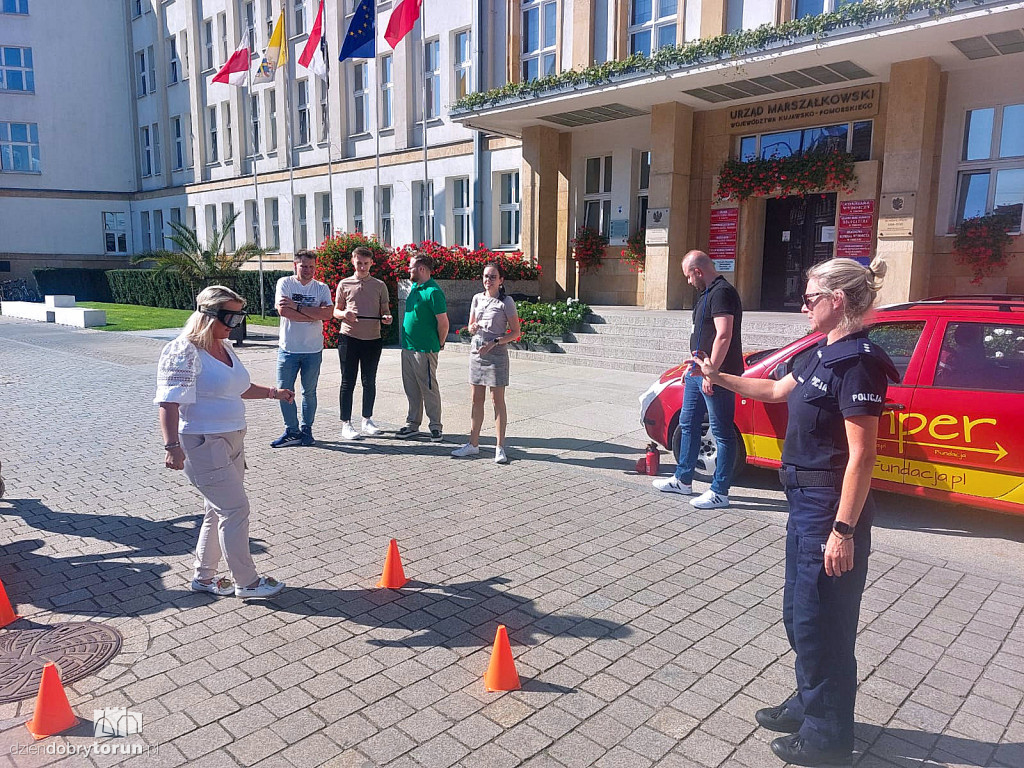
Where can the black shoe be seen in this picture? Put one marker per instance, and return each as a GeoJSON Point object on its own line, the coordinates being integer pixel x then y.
{"type": "Point", "coordinates": [407, 431]}
{"type": "Point", "coordinates": [777, 719]}
{"type": "Point", "coordinates": [793, 749]}
{"type": "Point", "coordinates": [436, 436]}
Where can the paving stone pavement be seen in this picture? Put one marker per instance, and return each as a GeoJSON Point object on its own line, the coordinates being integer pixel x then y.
{"type": "Point", "coordinates": [645, 632]}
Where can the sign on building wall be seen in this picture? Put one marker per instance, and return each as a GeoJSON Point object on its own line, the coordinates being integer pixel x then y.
{"type": "Point", "coordinates": [657, 226]}
{"type": "Point", "coordinates": [855, 232]}
{"type": "Point", "coordinates": [812, 109]}
{"type": "Point", "coordinates": [723, 237]}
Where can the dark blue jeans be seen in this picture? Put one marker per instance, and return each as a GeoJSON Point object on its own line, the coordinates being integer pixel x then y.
{"type": "Point", "coordinates": [820, 613]}
{"type": "Point", "coordinates": [306, 368]}
{"type": "Point", "coordinates": [721, 409]}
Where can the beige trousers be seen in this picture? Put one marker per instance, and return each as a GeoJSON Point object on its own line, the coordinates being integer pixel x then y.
{"type": "Point", "coordinates": [215, 465]}
{"type": "Point", "coordinates": [419, 378]}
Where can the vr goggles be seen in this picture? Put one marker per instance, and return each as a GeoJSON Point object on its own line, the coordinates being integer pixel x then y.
{"type": "Point", "coordinates": [230, 318]}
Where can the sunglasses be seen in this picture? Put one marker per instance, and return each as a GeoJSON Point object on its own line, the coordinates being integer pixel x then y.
{"type": "Point", "coordinates": [230, 318]}
{"type": "Point", "coordinates": [490, 277]}
{"type": "Point", "coordinates": [810, 299]}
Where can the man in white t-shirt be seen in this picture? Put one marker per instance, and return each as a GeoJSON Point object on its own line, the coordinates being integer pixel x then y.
{"type": "Point", "coordinates": [303, 304]}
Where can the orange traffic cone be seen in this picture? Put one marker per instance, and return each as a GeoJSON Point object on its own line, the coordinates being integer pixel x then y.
{"type": "Point", "coordinates": [53, 713]}
{"type": "Point", "coordinates": [501, 673]}
{"type": "Point", "coordinates": [7, 614]}
{"type": "Point", "coordinates": [393, 576]}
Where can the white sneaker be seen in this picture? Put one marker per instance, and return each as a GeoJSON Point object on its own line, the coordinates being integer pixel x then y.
{"type": "Point", "coordinates": [348, 432]}
{"type": "Point", "coordinates": [369, 428]}
{"type": "Point", "coordinates": [466, 451]}
{"type": "Point", "coordinates": [672, 485]}
{"type": "Point", "coordinates": [710, 500]}
{"type": "Point", "coordinates": [499, 455]}
{"type": "Point", "coordinates": [267, 586]}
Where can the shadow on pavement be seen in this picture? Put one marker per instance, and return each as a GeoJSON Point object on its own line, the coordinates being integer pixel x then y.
{"type": "Point", "coordinates": [911, 749]}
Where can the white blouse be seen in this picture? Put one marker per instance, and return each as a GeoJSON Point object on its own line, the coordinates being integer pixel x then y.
{"type": "Point", "coordinates": [208, 391]}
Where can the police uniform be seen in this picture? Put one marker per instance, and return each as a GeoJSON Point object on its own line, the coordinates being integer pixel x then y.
{"type": "Point", "coordinates": [820, 613]}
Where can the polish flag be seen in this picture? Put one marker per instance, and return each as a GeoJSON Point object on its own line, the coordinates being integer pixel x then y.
{"type": "Point", "coordinates": [314, 55]}
{"type": "Point", "coordinates": [236, 69]}
{"type": "Point", "coordinates": [402, 20]}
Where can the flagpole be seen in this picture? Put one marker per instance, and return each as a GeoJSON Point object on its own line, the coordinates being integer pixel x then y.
{"type": "Point", "coordinates": [330, 148]}
{"type": "Point", "coordinates": [256, 191]}
{"type": "Point", "coordinates": [287, 124]}
{"type": "Point", "coordinates": [426, 177]}
{"type": "Point", "coordinates": [376, 124]}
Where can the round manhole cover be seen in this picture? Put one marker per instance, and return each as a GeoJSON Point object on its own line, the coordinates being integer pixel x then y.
{"type": "Point", "coordinates": [78, 649]}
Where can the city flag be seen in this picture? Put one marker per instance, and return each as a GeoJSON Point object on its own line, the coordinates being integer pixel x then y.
{"type": "Point", "coordinates": [275, 56]}
{"type": "Point", "coordinates": [314, 55]}
{"type": "Point", "coordinates": [236, 69]}
{"type": "Point", "coordinates": [402, 20]}
{"type": "Point", "coordinates": [360, 40]}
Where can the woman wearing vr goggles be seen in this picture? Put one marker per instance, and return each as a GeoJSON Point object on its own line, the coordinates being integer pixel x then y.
{"type": "Point", "coordinates": [201, 384]}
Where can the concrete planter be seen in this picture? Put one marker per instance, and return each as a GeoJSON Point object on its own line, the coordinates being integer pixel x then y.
{"type": "Point", "coordinates": [459, 295]}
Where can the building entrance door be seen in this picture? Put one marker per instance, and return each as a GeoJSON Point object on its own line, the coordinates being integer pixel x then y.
{"type": "Point", "coordinates": [799, 232]}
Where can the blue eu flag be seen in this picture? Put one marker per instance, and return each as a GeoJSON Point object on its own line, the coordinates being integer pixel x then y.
{"type": "Point", "coordinates": [360, 40]}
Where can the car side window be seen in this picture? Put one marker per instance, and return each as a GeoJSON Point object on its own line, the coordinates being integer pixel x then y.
{"type": "Point", "coordinates": [899, 340]}
{"type": "Point", "coordinates": [983, 356]}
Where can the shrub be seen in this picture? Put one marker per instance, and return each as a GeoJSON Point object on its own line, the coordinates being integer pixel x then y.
{"type": "Point", "coordinates": [170, 290]}
{"type": "Point", "coordinates": [83, 284]}
{"type": "Point", "coordinates": [558, 317]}
{"type": "Point", "coordinates": [334, 264]}
{"type": "Point", "coordinates": [982, 244]}
{"type": "Point", "coordinates": [457, 262]}
{"type": "Point", "coordinates": [588, 248]}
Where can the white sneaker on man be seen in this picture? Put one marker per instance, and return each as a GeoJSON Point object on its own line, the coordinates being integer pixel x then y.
{"type": "Point", "coordinates": [710, 500]}
{"type": "Point", "coordinates": [500, 457]}
{"type": "Point", "coordinates": [348, 432]}
{"type": "Point", "coordinates": [466, 451]}
{"type": "Point", "coordinates": [369, 428]}
{"type": "Point", "coordinates": [672, 485]}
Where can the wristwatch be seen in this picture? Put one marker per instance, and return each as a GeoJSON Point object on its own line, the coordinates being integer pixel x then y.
{"type": "Point", "coordinates": [843, 529]}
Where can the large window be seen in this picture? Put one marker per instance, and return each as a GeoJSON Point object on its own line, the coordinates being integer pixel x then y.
{"type": "Point", "coordinates": [301, 223]}
{"type": "Point", "coordinates": [360, 105]}
{"type": "Point", "coordinates": [425, 208]}
{"type": "Point", "coordinates": [179, 144]}
{"type": "Point", "coordinates": [225, 110]}
{"type": "Point", "coordinates": [211, 135]}
{"type": "Point", "coordinates": [303, 110]}
{"type": "Point", "coordinates": [508, 210]}
{"type": "Point", "coordinates": [208, 44]}
{"type": "Point", "coordinates": [250, 24]}
{"type": "Point", "coordinates": [271, 120]}
{"type": "Point", "coordinates": [982, 356]}
{"type": "Point", "coordinates": [386, 197]}
{"type": "Point", "coordinates": [460, 211]}
{"type": "Point", "coordinates": [211, 221]}
{"type": "Point", "coordinates": [174, 70]}
{"type": "Point", "coordinates": [539, 33]}
{"type": "Point", "coordinates": [183, 47]}
{"type": "Point", "coordinates": [254, 122]}
{"type": "Point", "coordinates": [227, 211]}
{"type": "Point", "coordinates": [323, 204]}
{"type": "Point", "coordinates": [115, 234]}
{"type": "Point", "coordinates": [147, 240]}
{"type": "Point", "coordinates": [300, 18]}
{"type": "Point", "coordinates": [991, 176]}
{"type": "Point", "coordinates": [387, 91]}
{"type": "Point", "coordinates": [817, 7]}
{"type": "Point", "coordinates": [597, 197]}
{"type": "Point", "coordinates": [643, 186]}
{"type": "Point", "coordinates": [16, 70]}
{"type": "Point", "coordinates": [158, 229]}
{"type": "Point", "coordinates": [652, 25]}
{"type": "Point", "coordinates": [325, 117]}
{"type": "Point", "coordinates": [432, 77]}
{"type": "Point", "coordinates": [273, 225]}
{"type": "Point", "coordinates": [19, 147]}
{"type": "Point", "coordinates": [355, 210]}
{"type": "Point", "coordinates": [222, 29]}
{"type": "Point", "coordinates": [845, 137]}
{"type": "Point", "coordinates": [146, 151]}
{"type": "Point", "coordinates": [15, 6]}
{"type": "Point", "coordinates": [463, 65]}
{"type": "Point", "coordinates": [157, 163]}
{"type": "Point", "coordinates": [141, 74]}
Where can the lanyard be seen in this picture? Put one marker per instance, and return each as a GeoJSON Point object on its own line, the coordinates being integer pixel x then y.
{"type": "Point", "coordinates": [703, 316]}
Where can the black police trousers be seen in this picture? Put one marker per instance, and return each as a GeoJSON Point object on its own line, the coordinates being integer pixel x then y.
{"type": "Point", "coordinates": [820, 614]}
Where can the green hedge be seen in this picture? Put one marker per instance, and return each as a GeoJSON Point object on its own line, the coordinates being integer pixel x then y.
{"type": "Point", "coordinates": [83, 284]}
{"type": "Point", "coordinates": [147, 288]}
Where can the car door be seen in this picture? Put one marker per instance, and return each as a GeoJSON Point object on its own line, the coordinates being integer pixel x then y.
{"type": "Point", "coordinates": [965, 433]}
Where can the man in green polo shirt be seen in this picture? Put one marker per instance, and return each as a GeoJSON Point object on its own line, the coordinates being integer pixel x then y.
{"type": "Point", "coordinates": [424, 331]}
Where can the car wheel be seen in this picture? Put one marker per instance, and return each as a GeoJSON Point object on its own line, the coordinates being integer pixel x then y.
{"type": "Point", "coordinates": [709, 449]}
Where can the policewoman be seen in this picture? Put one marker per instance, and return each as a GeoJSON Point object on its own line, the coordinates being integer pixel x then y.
{"type": "Point", "coordinates": [835, 397]}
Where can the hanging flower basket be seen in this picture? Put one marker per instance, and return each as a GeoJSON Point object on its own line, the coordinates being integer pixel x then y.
{"type": "Point", "coordinates": [784, 176]}
{"type": "Point", "coordinates": [588, 248]}
{"type": "Point", "coordinates": [635, 252]}
{"type": "Point", "coordinates": [981, 244]}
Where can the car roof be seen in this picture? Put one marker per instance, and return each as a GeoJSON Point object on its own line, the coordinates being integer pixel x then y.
{"type": "Point", "coordinates": [961, 304]}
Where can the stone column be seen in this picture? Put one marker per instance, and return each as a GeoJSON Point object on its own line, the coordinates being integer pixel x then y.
{"type": "Point", "coordinates": [582, 54]}
{"type": "Point", "coordinates": [712, 17]}
{"type": "Point", "coordinates": [671, 138]}
{"type": "Point", "coordinates": [540, 203]}
{"type": "Point", "coordinates": [565, 265]}
{"type": "Point", "coordinates": [914, 114]}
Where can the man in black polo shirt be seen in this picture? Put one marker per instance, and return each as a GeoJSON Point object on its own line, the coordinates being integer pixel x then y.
{"type": "Point", "coordinates": [717, 317]}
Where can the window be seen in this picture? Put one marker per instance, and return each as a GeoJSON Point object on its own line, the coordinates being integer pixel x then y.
{"type": "Point", "coordinates": [15, 6]}
{"type": "Point", "coordinates": [147, 151]}
{"type": "Point", "coordinates": [141, 74]}
{"type": "Point", "coordinates": [899, 340]}
{"type": "Point", "coordinates": [222, 29]}
{"type": "Point", "coordinates": [818, 7]}
{"type": "Point", "coordinates": [300, 18]}
{"type": "Point", "coordinates": [175, 219]}
{"type": "Point", "coordinates": [270, 17]}
{"type": "Point", "coordinates": [271, 120]}
{"type": "Point", "coordinates": [303, 111]}
{"type": "Point", "coordinates": [208, 44]}
{"type": "Point", "coordinates": [115, 235]}
{"type": "Point", "coordinates": [211, 148]}
{"type": "Point", "coordinates": [16, 70]}
{"type": "Point", "coordinates": [360, 111]}
{"type": "Point", "coordinates": [151, 61]}
{"type": "Point", "coordinates": [460, 212]}
{"type": "Point", "coordinates": [254, 120]}
{"type": "Point", "coordinates": [356, 210]}
{"type": "Point", "coordinates": [273, 225]}
{"type": "Point", "coordinates": [174, 71]}
{"type": "Point", "coordinates": [252, 221]}
{"type": "Point", "coordinates": [652, 25]}
{"type": "Point", "coordinates": [508, 209]}
{"type": "Point", "coordinates": [190, 217]}
{"type": "Point", "coordinates": [991, 177]}
{"type": "Point", "coordinates": [250, 24]}
{"type": "Point", "coordinates": [463, 64]}
{"type": "Point", "coordinates": [324, 206]}
{"type": "Point", "coordinates": [211, 222]}
{"type": "Point", "coordinates": [301, 224]}
{"type": "Point", "coordinates": [227, 213]}
{"type": "Point", "coordinates": [539, 32]}
{"type": "Point", "coordinates": [386, 195]}
{"type": "Point", "coordinates": [157, 164]}
{"type": "Point", "coordinates": [225, 110]}
{"type": "Point", "coordinates": [325, 116]}
{"type": "Point", "coordinates": [845, 137]}
{"type": "Point", "coordinates": [643, 185]}
{"type": "Point", "coordinates": [183, 47]}
{"type": "Point", "coordinates": [147, 240]}
{"type": "Point", "coordinates": [387, 91]}
{"type": "Point", "coordinates": [179, 144]}
{"type": "Point", "coordinates": [597, 198]}
{"type": "Point", "coordinates": [158, 229]}
{"type": "Point", "coordinates": [19, 147]}
{"type": "Point", "coordinates": [982, 356]}
{"type": "Point", "coordinates": [425, 210]}
{"type": "Point", "coordinates": [432, 76]}
{"type": "Point", "coordinates": [136, 8]}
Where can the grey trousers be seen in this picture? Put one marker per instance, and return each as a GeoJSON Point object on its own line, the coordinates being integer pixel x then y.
{"type": "Point", "coordinates": [215, 465]}
{"type": "Point", "coordinates": [419, 378]}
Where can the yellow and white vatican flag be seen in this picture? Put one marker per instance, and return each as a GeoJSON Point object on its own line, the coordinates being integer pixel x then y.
{"type": "Point", "coordinates": [276, 54]}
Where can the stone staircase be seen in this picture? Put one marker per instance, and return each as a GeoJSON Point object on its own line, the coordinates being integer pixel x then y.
{"type": "Point", "coordinates": [651, 341]}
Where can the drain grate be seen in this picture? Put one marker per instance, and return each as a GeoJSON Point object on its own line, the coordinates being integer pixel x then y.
{"type": "Point", "coordinates": [77, 648]}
